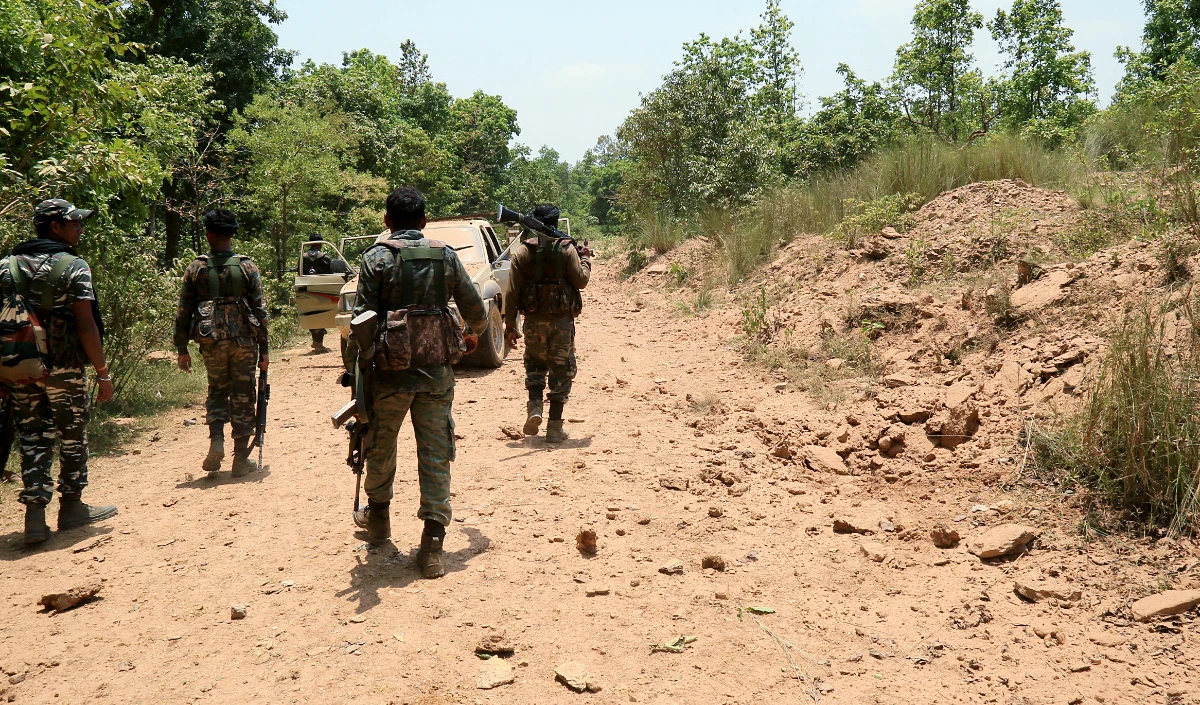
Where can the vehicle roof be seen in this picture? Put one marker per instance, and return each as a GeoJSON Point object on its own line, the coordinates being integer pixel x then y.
{"type": "Point", "coordinates": [433, 224]}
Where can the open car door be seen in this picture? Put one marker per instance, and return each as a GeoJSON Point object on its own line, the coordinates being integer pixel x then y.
{"type": "Point", "coordinates": [317, 293]}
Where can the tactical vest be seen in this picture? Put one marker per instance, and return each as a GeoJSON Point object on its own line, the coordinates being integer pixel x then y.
{"type": "Point", "coordinates": [415, 335]}
{"type": "Point", "coordinates": [224, 314]}
{"type": "Point", "coordinates": [548, 292]}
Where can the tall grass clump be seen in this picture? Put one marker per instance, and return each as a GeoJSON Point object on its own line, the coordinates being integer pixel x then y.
{"type": "Point", "coordinates": [1136, 443]}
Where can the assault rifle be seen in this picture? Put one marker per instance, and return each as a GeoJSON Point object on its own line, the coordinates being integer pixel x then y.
{"type": "Point", "coordinates": [358, 413]}
{"type": "Point", "coordinates": [509, 217]}
{"type": "Point", "coordinates": [260, 414]}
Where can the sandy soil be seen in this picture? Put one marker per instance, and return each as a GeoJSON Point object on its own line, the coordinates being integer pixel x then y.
{"type": "Point", "coordinates": [672, 459]}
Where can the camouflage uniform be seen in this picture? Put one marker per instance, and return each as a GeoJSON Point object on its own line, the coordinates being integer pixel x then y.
{"type": "Point", "coordinates": [316, 261]}
{"type": "Point", "coordinates": [232, 348]}
{"type": "Point", "coordinates": [58, 408]}
{"type": "Point", "coordinates": [425, 392]}
{"type": "Point", "coordinates": [549, 340]}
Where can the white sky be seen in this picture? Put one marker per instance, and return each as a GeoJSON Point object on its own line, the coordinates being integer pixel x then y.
{"type": "Point", "coordinates": [574, 70]}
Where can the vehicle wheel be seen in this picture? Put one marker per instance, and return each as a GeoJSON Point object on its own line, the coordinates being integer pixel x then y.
{"type": "Point", "coordinates": [492, 347]}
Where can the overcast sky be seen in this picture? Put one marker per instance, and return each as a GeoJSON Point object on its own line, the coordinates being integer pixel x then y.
{"type": "Point", "coordinates": [574, 70]}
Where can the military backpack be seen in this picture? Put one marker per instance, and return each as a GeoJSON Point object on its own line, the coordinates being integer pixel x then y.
{"type": "Point", "coordinates": [413, 335]}
{"type": "Point", "coordinates": [24, 348]}
{"type": "Point", "coordinates": [225, 314]}
{"type": "Point", "coordinates": [549, 293]}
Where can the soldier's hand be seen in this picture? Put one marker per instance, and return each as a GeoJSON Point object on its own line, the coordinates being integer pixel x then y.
{"type": "Point", "coordinates": [185, 362]}
{"type": "Point", "coordinates": [105, 393]}
{"type": "Point", "coordinates": [263, 363]}
{"type": "Point", "coordinates": [511, 337]}
{"type": "Point", "coordinates": [472, 342]}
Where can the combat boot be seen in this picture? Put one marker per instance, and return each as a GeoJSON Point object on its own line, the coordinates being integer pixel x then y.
{"type": "Point", "coordinates": [555, 433]}
{"type": "Point", "coordinates": [242, 464]}
{"type": "Point", "coordinates": [73, 513]}
{"type": "Point", "coordinates": [216, 448]}
{"type": "Point", "coordinates": [533, 418]}
{"type": "Point", "coordinates": [429, 558]}
{"type": "Point", "coordinates": [374, 519]}
{"type": "Point", "coordinates": [36, 530]}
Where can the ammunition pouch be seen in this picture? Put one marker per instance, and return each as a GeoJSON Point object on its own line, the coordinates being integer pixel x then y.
{"type": "Point", "coordinates": [225, 317]}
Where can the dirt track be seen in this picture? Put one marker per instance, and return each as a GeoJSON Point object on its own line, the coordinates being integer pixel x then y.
{"type": "Point", "coordinates": [333, 620]}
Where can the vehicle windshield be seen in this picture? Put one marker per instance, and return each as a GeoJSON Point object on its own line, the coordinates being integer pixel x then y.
{"type": "Point", "coordinates": [459, 236]}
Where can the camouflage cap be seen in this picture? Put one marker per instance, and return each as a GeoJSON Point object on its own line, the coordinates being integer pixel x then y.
{"type": "Point", "coordinates": [58, 209]}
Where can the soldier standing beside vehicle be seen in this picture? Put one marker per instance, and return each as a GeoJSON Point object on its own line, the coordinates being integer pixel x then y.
{"type": "Point", "coordinates": [544, 286]}
{"type": "Point", "coordinates": [409, 281]}
{"type": "Point", "coordinates": [316, 261]}
{"type": "Point", "coordinates": [221, 308]}
{"type": "Point", "coordinates": [47, 270]}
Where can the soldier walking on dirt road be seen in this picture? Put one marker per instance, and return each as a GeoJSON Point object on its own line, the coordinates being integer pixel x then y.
{"type": "Point", "coordinates": [544, 286]}
{"type": "Point", "coordinates": [221, 308]}
{"type": "Point", "coordinates": [409, 281]}
{"type": "Point", "coordinates": [316, 260]}
{"type": "Point", "coordinates": [58, 283]}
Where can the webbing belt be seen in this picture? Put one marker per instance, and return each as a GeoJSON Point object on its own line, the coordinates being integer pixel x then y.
{"type": "Point", "coordinates": [236, 281]}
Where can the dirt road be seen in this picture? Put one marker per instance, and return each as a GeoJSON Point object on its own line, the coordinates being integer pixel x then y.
{"type": "Point", "coordinates": [670, 461]}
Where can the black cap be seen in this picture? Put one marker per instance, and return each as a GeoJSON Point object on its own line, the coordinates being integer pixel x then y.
{"type": "Point", "coordinates": [548, 213]}
{"type": "Point", "coordinates": [220, 222]}
{"type": "Point", "coordinates": [58, 209]}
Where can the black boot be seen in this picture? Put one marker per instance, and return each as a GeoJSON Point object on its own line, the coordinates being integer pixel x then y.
{"type": "Point", "coordinates": [375, 520]}
{"type": "Point", "coordinates": [429, 558]}
{"type": "Point", "coordinates": [216, 447]}
{"type": "Point", "coordinates": [73, 513]}
{"type": "Point", "coordinates": [36, 530]}
{"type": "Point", "coordinates": [242, 464]}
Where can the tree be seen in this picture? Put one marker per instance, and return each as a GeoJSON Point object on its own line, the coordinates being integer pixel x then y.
{"type": "Point", "coordinates": [933, 70]}
{"type": "Point", "coordinates": [478, 132]}
{"type": "Point", "coordinates": [851, 125]}
{"type": "Point", "coordinates": [1046, 81]}
{"type": "Point", "coordinates": [299, 177]}
{"type": "Point", "coordinates": [1171, 34]}
{"type": "Point", "coordinates": [533, 181]}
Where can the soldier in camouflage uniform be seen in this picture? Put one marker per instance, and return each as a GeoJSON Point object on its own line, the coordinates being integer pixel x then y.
{"type": "Point", "coordinates": [544, 286]}
{"type": "Point", "coordinates": [58, 408]}
{"type": "Point", "coordinates": [229, 322]}
{"type": "Point", "coordinates": [426, 392]}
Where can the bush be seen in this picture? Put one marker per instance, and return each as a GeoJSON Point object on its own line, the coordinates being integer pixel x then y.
{"type": "Point", "coordinates": [1136, 443]}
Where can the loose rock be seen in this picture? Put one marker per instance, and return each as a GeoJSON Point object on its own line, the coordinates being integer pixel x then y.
{"type": "Point", "coordinates": [494, 673]}
{"type": "Point", "coordinates": [943, 537]}
{"type": "Point", "coordinates": [874, 552]}
{"type": "Point", "coordinates": [1004, 540]}
{"type": "Point", "coordinates": [672, 567]}
{"type": "Point", "coordinates": [496, 643]}
{"type": "Point", "coordinates": [822, 459]}
{"type": "Point", "coordinates": [1032, 587]}
{"type": "Point", "coordinates": [575, 676]}
{"type": "Point", "coordinates": [63, 601]}
{"type": "Point", "coordinates": [849, 525]}
{"type": "Point", "coordinates": [1165, 604]}
{"type": "Point", "coordinates": [237, 612]}
{"type": "Point", "coordinates": [714, 562]}
{"type": "Point", "coordinates": [586, 542]}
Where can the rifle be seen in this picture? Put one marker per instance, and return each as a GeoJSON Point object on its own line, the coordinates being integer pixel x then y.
{"type": "Point", "coordinates": [356, 415]}
{"type": "Point", "coordinates": [508, 217]}
{"type": "Point", "coordinates": [260, 431]}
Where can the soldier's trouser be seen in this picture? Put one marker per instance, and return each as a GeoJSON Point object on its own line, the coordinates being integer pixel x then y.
{"type": "Point", "coordinates": [550, 351]}
{"type": "Point", "coordinates": [57, 409]}
{"type": "Point", "coordinates": [433, 425]}
{"type": "Point", "coordinates": [231, 394]}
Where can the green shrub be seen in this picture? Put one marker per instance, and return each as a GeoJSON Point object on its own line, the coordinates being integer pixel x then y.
{"type": "Point", "coordinates": [869, 217]}
{"type": "Point", "coordinates": [1136, 442]}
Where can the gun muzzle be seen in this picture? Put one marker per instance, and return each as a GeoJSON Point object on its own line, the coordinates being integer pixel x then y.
{"type": "Point", "coordinates": [508, 216]}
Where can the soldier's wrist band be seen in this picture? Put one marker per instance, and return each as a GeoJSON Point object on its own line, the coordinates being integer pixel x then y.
{"type": "Point", "coordinates": [105, 378]}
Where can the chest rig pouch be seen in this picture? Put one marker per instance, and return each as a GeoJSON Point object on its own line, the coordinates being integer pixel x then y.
{"type": "Point", "coordinates": [416, 335]}
{"type": "Point", "coordinates": [224, 314]}
{"type": "Point", "coordinates": [549, 293]}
